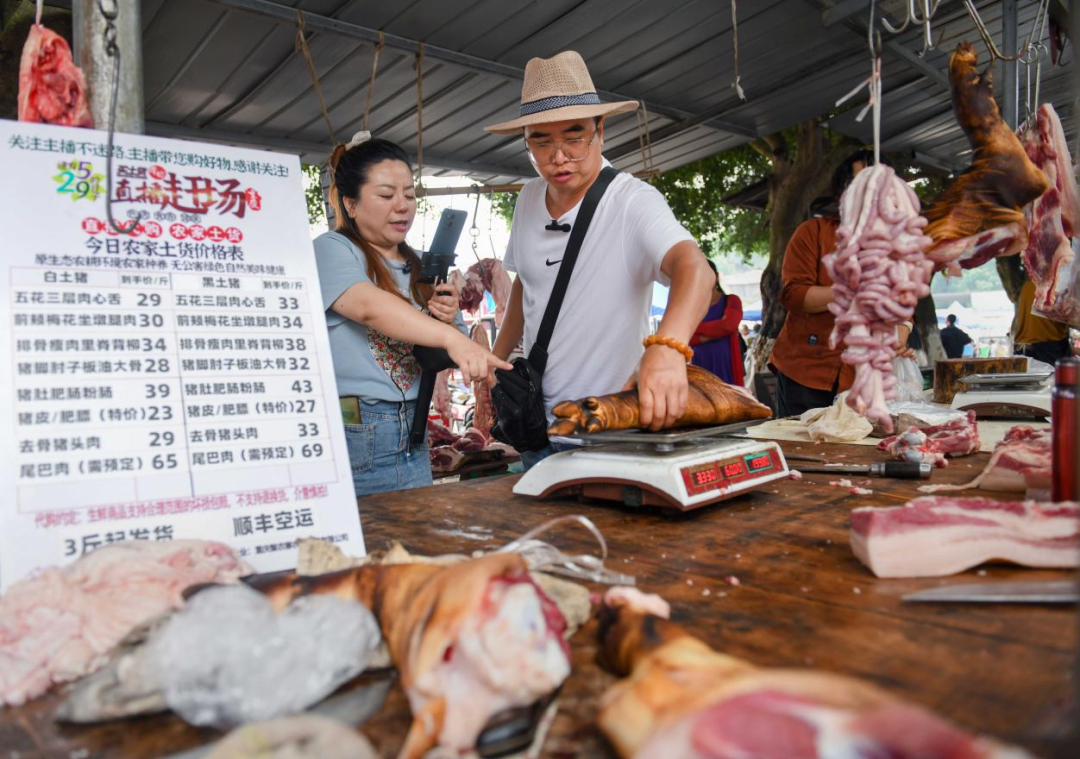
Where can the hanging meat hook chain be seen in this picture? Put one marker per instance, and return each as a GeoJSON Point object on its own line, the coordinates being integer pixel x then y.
{"type": "Point", "coordinates": [474, 230]}
{"type": "Point", "coordinates": [1025, 50]}
{"type": "Point", "coordinates": [912, 17]}
{"type": "Point", "coordinates": [113, 51]}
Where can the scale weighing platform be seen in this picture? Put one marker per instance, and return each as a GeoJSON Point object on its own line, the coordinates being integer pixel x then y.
{"type": "Point", "coordinates": [1022, 395]}
{"type": "Point", "coordinates": [677, 470]}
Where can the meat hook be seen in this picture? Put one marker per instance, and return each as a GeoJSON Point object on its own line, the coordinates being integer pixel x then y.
{"type": "Point", "coordinates": [113, 51]}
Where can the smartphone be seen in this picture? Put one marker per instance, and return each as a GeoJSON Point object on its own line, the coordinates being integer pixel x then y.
{"type": "Point", "coordinates": [436, 262]}
{"type": "Point", "coordinates": [448, 231]}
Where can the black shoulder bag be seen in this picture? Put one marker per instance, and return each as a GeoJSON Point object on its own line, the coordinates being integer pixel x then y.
{"type": "Point", "coordinates": [518, 398]}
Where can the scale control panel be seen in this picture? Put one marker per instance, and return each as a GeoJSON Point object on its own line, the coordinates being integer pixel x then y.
{"type": "Point", "coordinates": [725, 473]}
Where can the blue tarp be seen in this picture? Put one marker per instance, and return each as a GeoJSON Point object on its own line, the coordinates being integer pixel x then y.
{"type": "Point", "coordinates": [752, 316]}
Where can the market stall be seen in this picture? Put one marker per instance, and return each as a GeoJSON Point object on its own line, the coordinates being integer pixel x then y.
{"type": "Point", "coordinates": [769, 577]}
{"type": "Point", "coordinates": [199, 563]}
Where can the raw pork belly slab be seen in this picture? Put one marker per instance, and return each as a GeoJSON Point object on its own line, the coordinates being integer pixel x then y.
{"type": "Point", "coordinates": [930, 445]}
{"type": "Point", "coordinates": [61, 624]}
{"type": "Point", "coordinates": [935, 536]}
{"type": "Point", "coordinates": [1020, 462]}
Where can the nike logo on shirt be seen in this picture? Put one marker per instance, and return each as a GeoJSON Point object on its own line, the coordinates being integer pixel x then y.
{"type": "Point", "coordinates": [552, 263]}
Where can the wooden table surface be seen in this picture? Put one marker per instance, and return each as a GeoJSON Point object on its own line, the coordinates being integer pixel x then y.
{"type": "Point", "coordinates": [802, 600]}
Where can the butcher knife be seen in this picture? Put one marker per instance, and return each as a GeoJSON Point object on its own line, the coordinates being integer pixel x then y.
{"type": "Point", "coordinates": [1058, 592]}
{"type": "Point", "coordinates": [900, 470]}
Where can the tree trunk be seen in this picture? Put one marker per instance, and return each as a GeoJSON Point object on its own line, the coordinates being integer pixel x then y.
{"type": "Point", "coordinates": [927, 325]}
{"type": "Point", "coordinates": [1012, 276]}
{"type": "Point", "coordinates": [795, 183]}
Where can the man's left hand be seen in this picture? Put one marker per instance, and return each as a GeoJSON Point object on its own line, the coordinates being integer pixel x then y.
{"type": "Point", "coordinates": [662, 387]}
{"type": "Point", "coordinates": [444, 304]}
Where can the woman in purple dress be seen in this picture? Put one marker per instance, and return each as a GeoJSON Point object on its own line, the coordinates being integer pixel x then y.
{"type": "Point", "coordinates": [716, 340]}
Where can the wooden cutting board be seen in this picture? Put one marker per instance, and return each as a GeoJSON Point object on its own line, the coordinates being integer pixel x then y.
{"type": "Point", "coordinates": [947, 373]}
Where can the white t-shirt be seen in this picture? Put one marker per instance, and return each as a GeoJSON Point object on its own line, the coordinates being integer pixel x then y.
{"type": "Point", "coordinates": [604, 318]}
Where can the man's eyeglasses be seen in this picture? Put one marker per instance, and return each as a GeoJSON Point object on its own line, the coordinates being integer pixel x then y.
{"type": "Point", "coordinates": [575, 149]}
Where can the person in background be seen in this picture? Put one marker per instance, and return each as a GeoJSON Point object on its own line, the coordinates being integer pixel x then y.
{"type": "Point", "coordinates": [374, 314]}
{"type": "Point", "coordinates": [716, 339]}
{"type": "Point", "coordinates": [744, 332]}
{"type": "Point", "coordinates": [802, 349]}
{"type": "Point", "coordinates": [954, 339]}
{"type": "Point", "coordinates": [1035, 336]}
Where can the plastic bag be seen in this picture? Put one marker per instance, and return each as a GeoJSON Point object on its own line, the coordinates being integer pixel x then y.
{"type": "Point", "coordinates": [228, 658]}
{"type": "Point", "coordinates": [909, 381]}
{"type": "Point", "coordinates": [907, 414]}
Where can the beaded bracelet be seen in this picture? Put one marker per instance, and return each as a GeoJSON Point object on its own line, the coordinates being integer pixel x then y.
{"type": "Point", "coordinates": [670, 342]}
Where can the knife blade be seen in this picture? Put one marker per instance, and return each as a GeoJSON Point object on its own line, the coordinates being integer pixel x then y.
{"type": "Point", "coordinates": [803, 457]}
{"type": "Point", "coordinates": [1055, 592]}
{"type": "Point", "coordinates": [354, 707]}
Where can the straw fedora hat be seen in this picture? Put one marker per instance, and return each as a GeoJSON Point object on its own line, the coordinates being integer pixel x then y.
{"type": "Point", "coordinates": [559, 89]}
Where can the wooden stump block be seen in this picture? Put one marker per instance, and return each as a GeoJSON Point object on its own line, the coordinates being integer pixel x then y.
{"type": "Point", "coordinates": [947, 373]}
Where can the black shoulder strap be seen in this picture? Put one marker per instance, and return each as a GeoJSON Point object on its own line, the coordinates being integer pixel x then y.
{"type": "Point", "coordinates": [538, 355]}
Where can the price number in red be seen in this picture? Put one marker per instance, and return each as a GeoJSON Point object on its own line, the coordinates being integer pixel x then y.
{"type": "Point", "coordinates": [733, 469]}
{"type": "Point", "coordinates": [705, 477]}
{"type": "Point", "coordinates": [759, 462]}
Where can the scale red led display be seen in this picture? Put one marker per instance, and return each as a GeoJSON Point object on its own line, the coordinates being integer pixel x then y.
{"type": "Point", "coordinates": [733, 470]}
{"type": "Point", "coordinates": [705, 476]}
{"type": "Point", "coordinates": [761, 462]}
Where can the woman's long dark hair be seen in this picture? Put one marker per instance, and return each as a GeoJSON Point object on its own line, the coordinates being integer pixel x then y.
{"type": "Point", "coordinates": [716, 272]}
{"type": "Point", "coordinates": [349, 168]}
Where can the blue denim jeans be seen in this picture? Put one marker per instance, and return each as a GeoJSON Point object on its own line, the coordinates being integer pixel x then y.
{"type": "Point", "coordinates": [379, 450]}
{"type": "Point", "coordinates": [529, 459]}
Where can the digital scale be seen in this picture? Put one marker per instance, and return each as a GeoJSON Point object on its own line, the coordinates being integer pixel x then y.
{"type": "Point", "coordinates": [1016, 395]}
{"type": "Point", "coordinates": [677, 470]}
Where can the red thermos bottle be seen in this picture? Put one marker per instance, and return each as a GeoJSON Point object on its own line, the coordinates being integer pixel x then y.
{"type": "Point", "coordinates": [1064, 409]}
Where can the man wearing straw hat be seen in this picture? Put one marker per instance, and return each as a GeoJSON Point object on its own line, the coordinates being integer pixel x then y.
{"type": "Point", "coordinates": [633, 241]}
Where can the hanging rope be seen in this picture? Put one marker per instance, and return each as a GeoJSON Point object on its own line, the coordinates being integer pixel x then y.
{"type": "Point", "coordinates": [735, 33]}
{"type": "Point", "coordinates": [644, 139]}
{"type": "Point", "coordinates": [419, 66]}
{"type": "Point", "coordinates": [641, 142]}
{"type": "Point", "coordinates": [302, 46]}
{"type": "Point", "coordinates": [371, 84]}
{"type": "Point", "coordinates": [872, 83]}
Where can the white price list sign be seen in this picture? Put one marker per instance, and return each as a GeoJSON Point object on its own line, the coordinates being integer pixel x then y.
{"type": "Point", "coordinates": [171, 382]}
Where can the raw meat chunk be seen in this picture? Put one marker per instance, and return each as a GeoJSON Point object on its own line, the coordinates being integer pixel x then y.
{"type": "Point", "coordinates": [60, 625]}
{"type": "Point", "coordinates": [1049, 258]}
{"type": "Point", "coordinates": [1020, 462]}
{"type": "Point", "coordinates": [936, 535]}
{"type": "Point", "coordinates": [930, 445]}
{"type": "Point", "coordinates": [51, 87]}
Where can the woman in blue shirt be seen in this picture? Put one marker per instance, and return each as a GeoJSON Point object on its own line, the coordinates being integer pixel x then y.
{"type": "Point", "coordinates": [375, 314]}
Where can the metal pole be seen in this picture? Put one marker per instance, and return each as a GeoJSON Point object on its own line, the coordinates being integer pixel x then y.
{"type": "Point", "coordinates": [1010, 82]}
{"type": "Point", "coordinates": [89, 35]}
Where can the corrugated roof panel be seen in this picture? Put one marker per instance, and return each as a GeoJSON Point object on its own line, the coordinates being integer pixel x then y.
{"type": "Point", "coordinates": [236, 72]}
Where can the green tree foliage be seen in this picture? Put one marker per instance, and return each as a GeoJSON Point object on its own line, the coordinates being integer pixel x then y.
{"type": "Point", "coordinates": [316, 211]}
{"type": "Point", "coordinates": [503, 203]}
{"type": "Point", "coordinates": [696, 191]}
{"type": "Point", "coordinates": [982, 279]}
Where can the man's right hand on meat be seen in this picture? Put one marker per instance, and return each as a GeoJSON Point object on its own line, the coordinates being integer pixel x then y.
{"type": "Point", "coordinates": [633, 241]}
